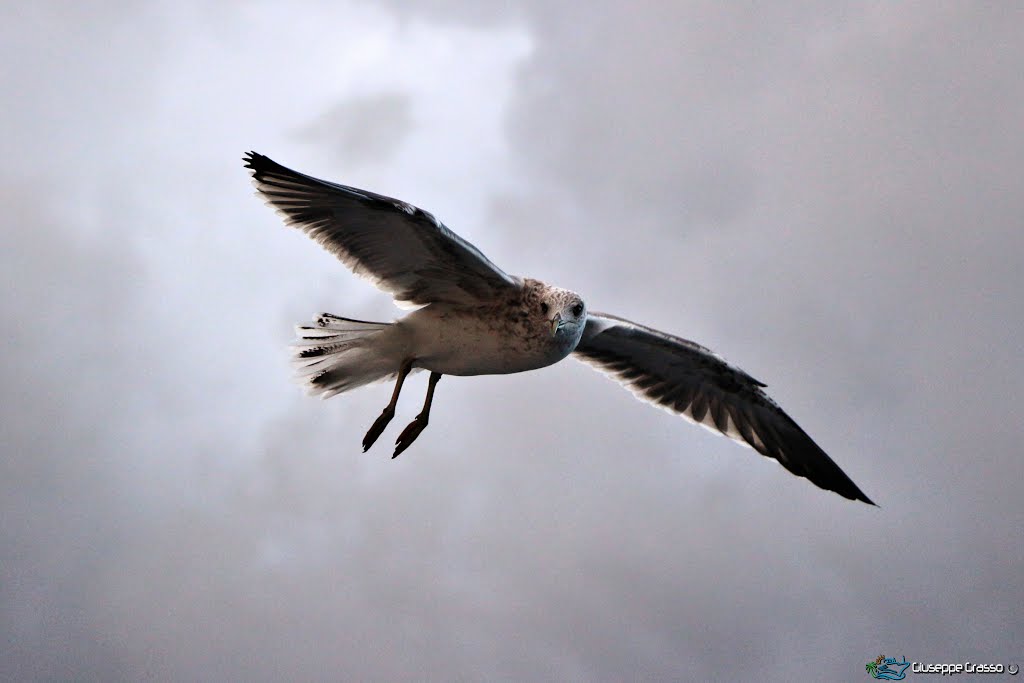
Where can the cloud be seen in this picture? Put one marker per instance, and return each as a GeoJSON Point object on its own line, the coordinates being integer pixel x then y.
{"type": "Point", "coordinates": [364, 129]}
{"type": "Point", "coordinates": [60, 476]}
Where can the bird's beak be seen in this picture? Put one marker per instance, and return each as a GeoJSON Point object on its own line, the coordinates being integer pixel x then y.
{"type": "Point", "coordinates": [555, 323]}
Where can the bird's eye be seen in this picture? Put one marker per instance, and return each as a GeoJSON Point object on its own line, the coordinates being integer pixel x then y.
{"type": "Point", "coordinates": [577, 310]}
{"type": "Point", "coordinates": [544, 308]}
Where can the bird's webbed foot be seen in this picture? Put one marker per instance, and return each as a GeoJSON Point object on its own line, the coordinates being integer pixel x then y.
{"type": "Point", "coordinates": [389, 410]}
{"type": "Point", "coordinates": [409, 434]}
{"type": "Point", "coordinates": [377, 428]}
{"type": "Point", "coordinates": [413, 429]}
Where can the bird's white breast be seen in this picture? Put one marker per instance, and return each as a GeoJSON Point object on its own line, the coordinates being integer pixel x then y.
{"type": "Point", "coordinates": [482, 341]}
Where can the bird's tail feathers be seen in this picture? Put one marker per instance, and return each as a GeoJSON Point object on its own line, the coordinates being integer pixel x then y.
{"type": "Point", "coordinates": [337, 354]}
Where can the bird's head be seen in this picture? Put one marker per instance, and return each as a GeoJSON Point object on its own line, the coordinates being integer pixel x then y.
{"type": "Point", "coordinates": [563, 311]}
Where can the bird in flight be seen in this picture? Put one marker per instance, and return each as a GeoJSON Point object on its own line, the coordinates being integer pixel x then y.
{"type": "Point", "coordinates": [473, 318]}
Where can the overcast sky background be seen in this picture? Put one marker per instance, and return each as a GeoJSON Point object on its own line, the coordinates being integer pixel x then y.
{"type": "Point", "coordinates": [829, 195]}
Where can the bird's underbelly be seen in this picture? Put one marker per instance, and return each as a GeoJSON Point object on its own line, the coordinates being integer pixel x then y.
{"type": "Point", "coordinates": [454, 343]}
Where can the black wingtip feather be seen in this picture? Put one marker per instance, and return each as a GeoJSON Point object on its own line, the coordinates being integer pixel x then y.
{"type": "Point", "coordinates": [260, 164]}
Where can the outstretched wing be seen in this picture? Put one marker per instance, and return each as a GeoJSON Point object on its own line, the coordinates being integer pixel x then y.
{"type": "Point", "coordinates": [403, 250]}
{"type": "Point", "coordinates": [690, 380]}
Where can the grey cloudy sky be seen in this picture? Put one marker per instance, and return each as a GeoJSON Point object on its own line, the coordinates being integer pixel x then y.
{"type": "Point", "coordinates": [827, 194]}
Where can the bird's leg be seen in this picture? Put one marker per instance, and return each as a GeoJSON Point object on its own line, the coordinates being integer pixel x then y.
{"type": "Point", "coordinates": [414, 428]}
{"type": "Point", "coordinates": [389, 412]}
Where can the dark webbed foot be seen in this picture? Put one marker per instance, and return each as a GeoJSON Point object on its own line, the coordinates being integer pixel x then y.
{"type": "Point", "coordinates": [389, 411]}
{"type": "Point", "coordinates": [409, 434]}
{"type": "Point", "coordinates": [414, 428]}
{"type": "Point", "coordinates": [378, 428]}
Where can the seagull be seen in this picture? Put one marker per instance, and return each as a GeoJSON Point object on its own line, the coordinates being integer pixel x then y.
{"type": "Point", "coordinates": [473, 318]}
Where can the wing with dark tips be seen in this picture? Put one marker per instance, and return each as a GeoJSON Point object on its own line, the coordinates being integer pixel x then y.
{"type": "Point", "coordinates": [403, 250]}
{"type": "Point", "coordinates": [694, 382]}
